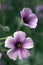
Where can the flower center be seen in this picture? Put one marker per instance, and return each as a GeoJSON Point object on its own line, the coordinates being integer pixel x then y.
{"type": "Point", "coordinates": [25, 19]}
{"type": "Point", "coordinates": [18, 45]}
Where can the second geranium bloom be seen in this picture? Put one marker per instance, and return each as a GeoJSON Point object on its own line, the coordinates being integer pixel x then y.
{"type": "Point", "coordinates": [29, 18]}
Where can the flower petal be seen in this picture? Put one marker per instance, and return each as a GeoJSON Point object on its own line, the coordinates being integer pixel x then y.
{"type": "Point", "coordinates": [25, 12]}
{"type": "Point", "coordinates": [39, 11]}
{"type": "Point", "coordinates": [12, 54]}
{"type": "Point", "coordinates": [33, 17]}
{"type": "Point", "coordinates": [23, 54]}
{"type": "Point", "coordinates": [9, 42]}
{"type": "Point", "coordinates": [19, 35]}
{"type": "Point", "coordinates": [28, 43]}
{"type": "Point", "coordinates": [33, 21]}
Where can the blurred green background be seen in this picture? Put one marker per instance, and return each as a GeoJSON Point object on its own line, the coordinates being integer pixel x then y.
{"type": "Point", "coordinates": [9, 22]}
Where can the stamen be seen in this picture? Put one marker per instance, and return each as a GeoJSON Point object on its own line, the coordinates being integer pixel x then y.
{"type": "Point", "coordinates": [18, 45]}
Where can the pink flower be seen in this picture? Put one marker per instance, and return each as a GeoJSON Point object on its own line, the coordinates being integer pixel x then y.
{"type": "Point", "coordinates": [39, 11]}
{"type": "Point", "coordinates": [18, 45]}
{"type": "Point", "coordinates": [29, 18]}
{"type": "Point", "coordinates": [4, 5]}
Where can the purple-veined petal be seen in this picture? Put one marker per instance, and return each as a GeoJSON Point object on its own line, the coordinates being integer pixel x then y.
{"type": "Point", "coordinates": [9, 42]}
{"type": "Point", "coordinates": [19, 35]}
{"type": "Point", "coordinates": [32, 25]}
{"type": "Point", "coordinates": [12, 54]}
{"type": "Point", "coordinates": [25, 12]}
{"type": "Point", "coordinates": [23, 54]}
{"type": "Point", "coordinates": [28, 43]}
{"type": "Point", "coordinates": [33, 17]}
{"type": "Point", "coordinates": [33, 21]}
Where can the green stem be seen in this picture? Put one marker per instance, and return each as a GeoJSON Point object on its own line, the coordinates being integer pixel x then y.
{"type": "Point", "coordinates": [1, 26]}
{"type": "Point", "coordinates": [3, 38]}
{"type": "Point", "coordinates": [34, 56]}
{"type": "Point", "coordinates": [19, 27]}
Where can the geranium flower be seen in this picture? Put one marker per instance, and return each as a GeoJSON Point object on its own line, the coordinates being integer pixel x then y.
{"type": "Point", "coordinates": [39, 11]}
{"type": "Point", "coordinates": [18, 45]}
{"type": "Point", "coordinates": [4, 5]}
{"type": "Point", "coordinates": [29, 18]}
